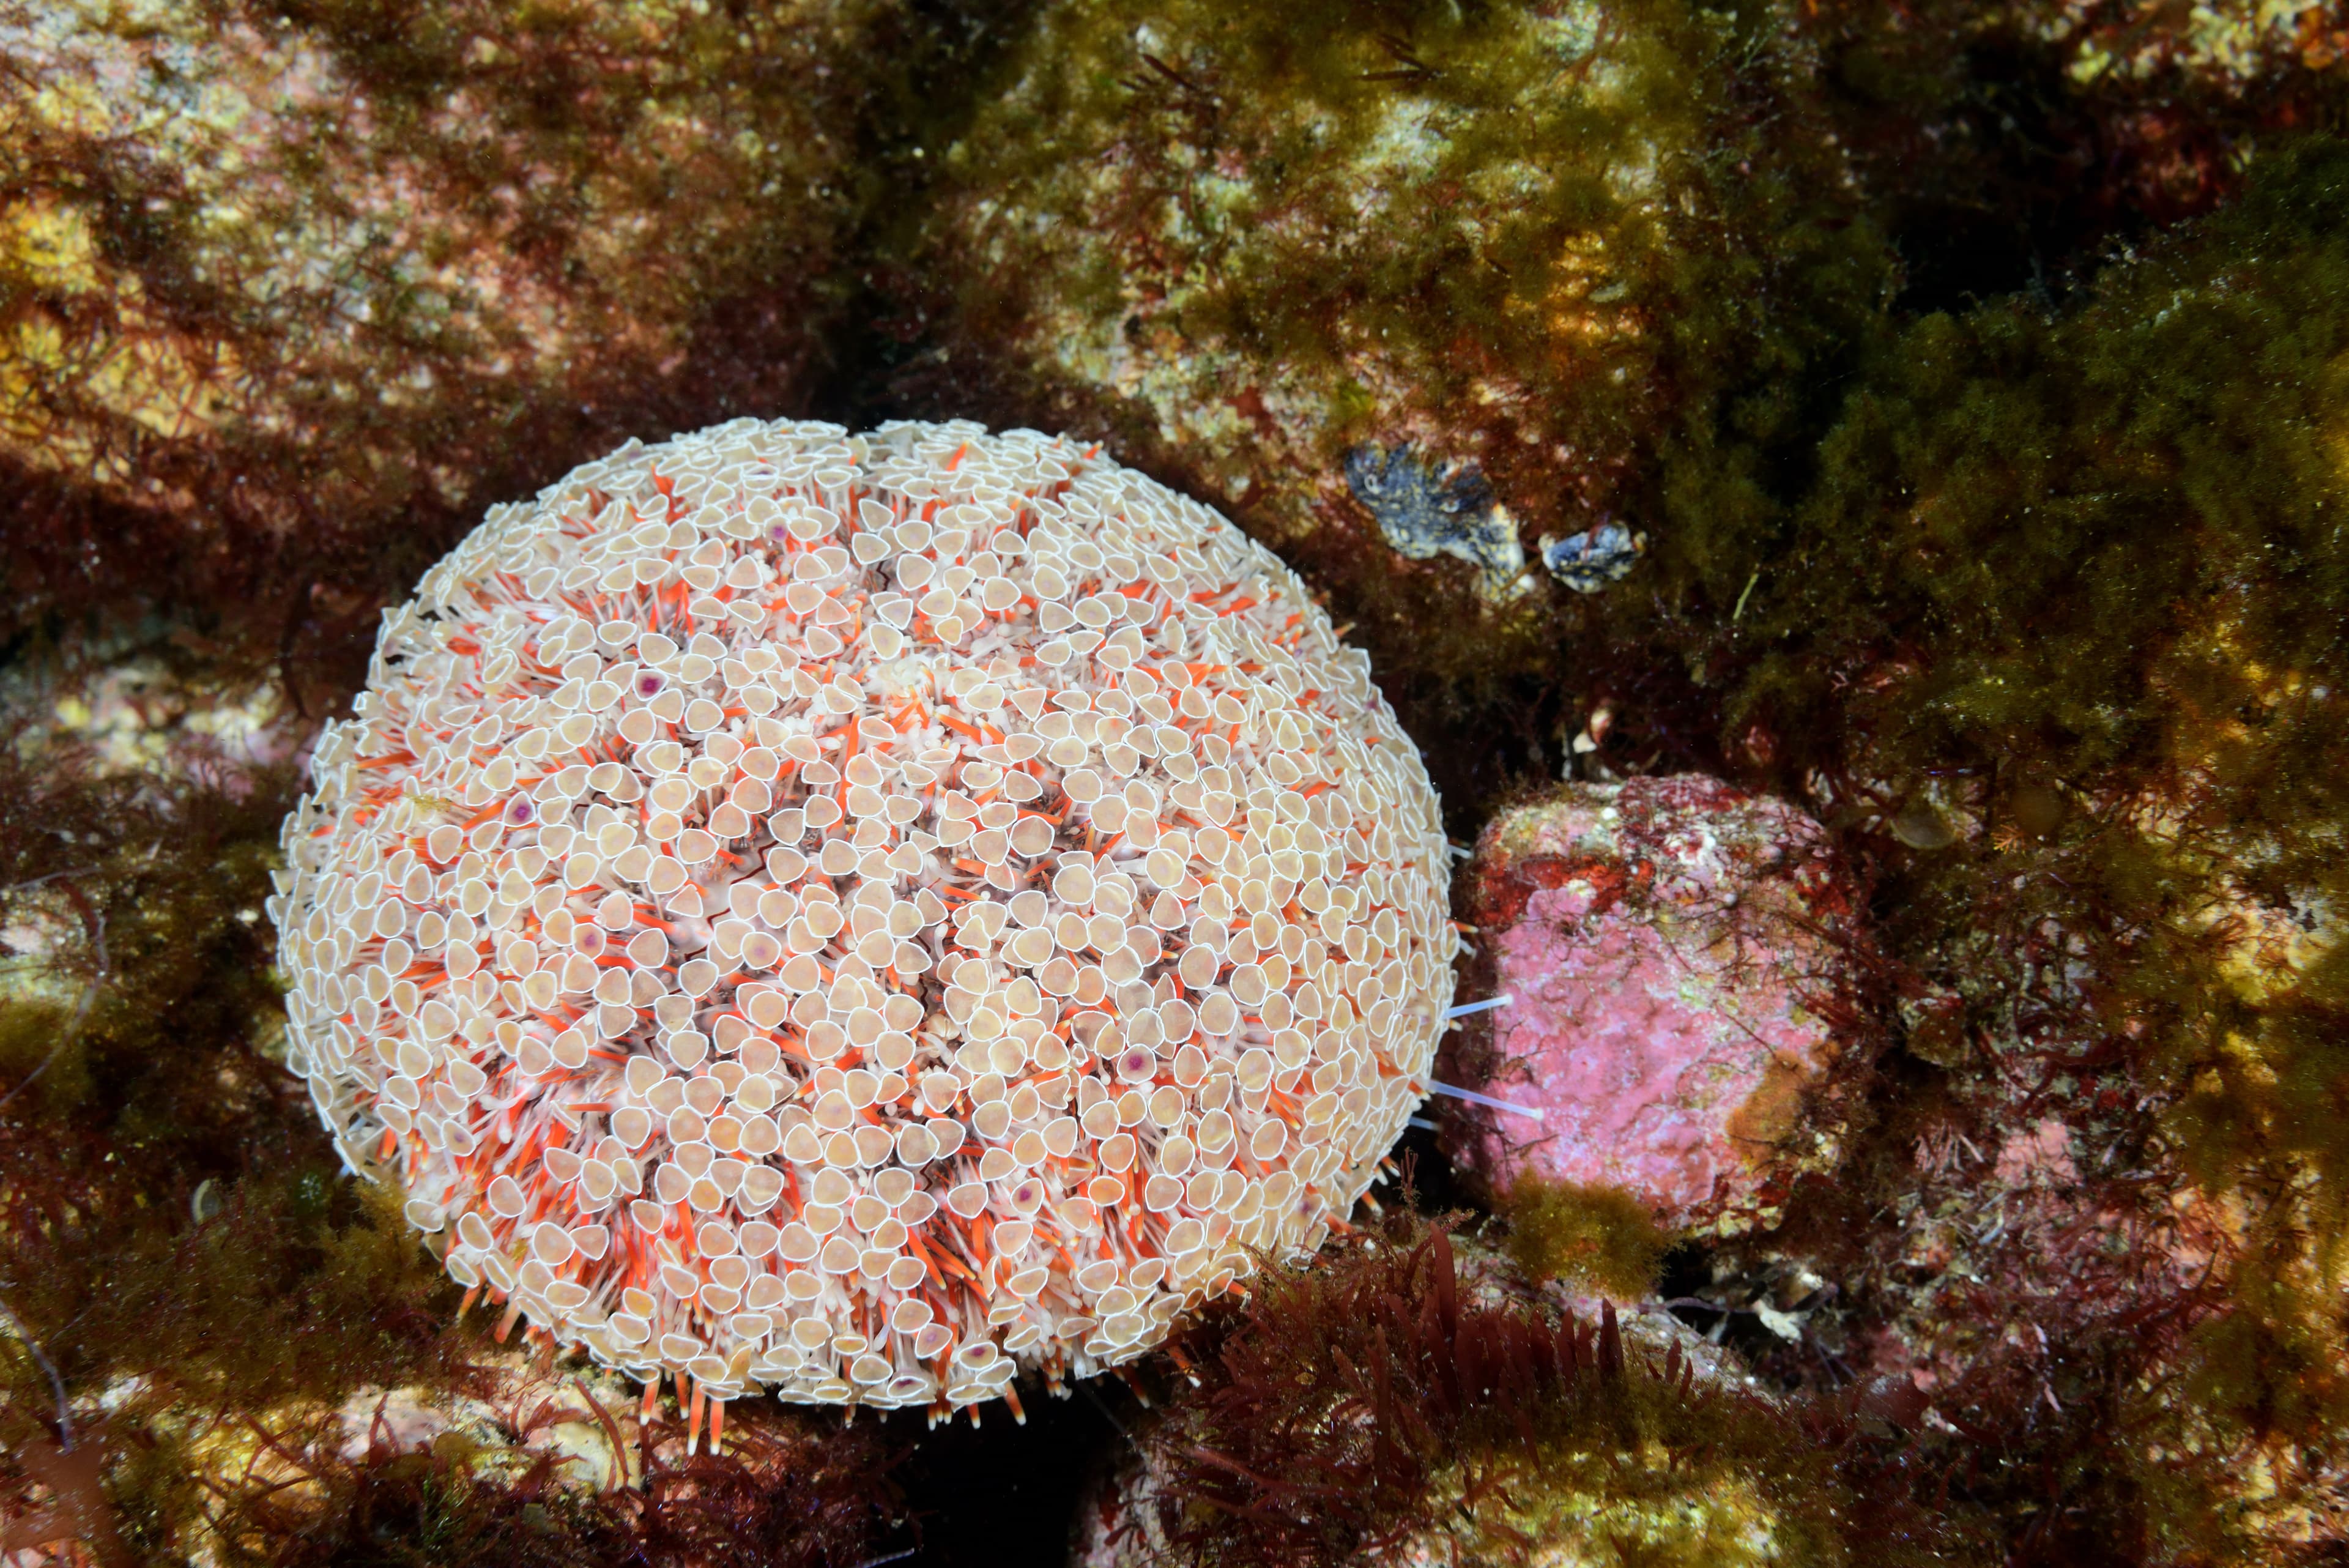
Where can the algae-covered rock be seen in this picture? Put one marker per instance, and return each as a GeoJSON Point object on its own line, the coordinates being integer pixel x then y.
{"type": "Point", "coordinates": [2016, 146]}
{"type": "Point", "coordinates": [519, 1461]}
{"type": "Point", "coordinates": [2233, 45]}
{"type": "Point", "coordinates": [2055, 633]}
{"type": "Point", "coordinates": [1415, 1400]}
{"type": "Point", "coordinates": [2074, 582]}
{"type": "Point", "coordinates": [1432, 281]}
{"type": "Point", "coordinates": [286, 292]}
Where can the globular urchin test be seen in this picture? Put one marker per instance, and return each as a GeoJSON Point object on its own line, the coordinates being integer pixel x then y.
{"type": "Point", "coordinates": [864, 914]}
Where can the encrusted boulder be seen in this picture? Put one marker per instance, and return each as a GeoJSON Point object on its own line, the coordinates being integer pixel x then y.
{"type": "Point", "coordinates": [1671, 950]}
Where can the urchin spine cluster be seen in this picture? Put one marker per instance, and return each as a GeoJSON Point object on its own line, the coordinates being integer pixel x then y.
{"type": "Point", "coordinates": [859, 913]}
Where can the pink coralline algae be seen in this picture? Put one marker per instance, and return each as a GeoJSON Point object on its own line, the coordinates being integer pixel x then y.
{"type": "Point", "coordinates": [1667, 945]}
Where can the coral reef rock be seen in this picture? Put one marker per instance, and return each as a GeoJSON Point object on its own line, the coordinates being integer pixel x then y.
{"type": "Point", "coordinates": [859, 914]}
{"type": "Point", "coordinates": [1664, 944]}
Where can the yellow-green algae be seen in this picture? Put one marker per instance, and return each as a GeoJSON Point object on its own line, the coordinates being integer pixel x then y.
{"type": "Point", "coordinates": [289, 292]}
{"type": "Point", "coordinates": [1601, 1238]}
{"type": "Point", "coordinates": [2079, 576]}
{"type": "Point", "coordinates": [2010, 146]}
{"type": "Point", "coordinates": [1531, 238]}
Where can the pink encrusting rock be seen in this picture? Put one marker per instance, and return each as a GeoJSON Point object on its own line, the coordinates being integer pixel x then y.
{"type": "Point", "coordinates": [1668, 944]}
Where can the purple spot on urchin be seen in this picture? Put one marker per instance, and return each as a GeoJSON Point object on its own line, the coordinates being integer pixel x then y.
{"type": "Point", "coordinates": [520, 811]}
{"type": "Point", "coordinates": [1136, 1063]}
{"type": "Point", "coordinates": [1026, 1193]}
{"type": "Point", "coordinates": [649, 684]}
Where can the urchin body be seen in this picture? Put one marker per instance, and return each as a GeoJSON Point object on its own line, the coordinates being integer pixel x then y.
{"type": "Point", "coordinates": [861, 914]}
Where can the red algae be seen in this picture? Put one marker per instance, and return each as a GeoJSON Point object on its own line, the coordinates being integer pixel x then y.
{"type": "Point", "coordinates": [1413, 1401]}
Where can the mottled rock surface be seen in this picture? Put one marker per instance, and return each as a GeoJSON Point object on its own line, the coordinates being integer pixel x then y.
{"type": "Point", "coordinates": [1433, 286]}
{"type": "Point", "coordinates": [1668, 946]}
{"type": "Point", "coordinates": [271, 284]}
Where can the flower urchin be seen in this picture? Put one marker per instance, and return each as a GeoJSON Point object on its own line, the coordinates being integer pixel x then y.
{"type": "Point", "coordinates": [857, 914]}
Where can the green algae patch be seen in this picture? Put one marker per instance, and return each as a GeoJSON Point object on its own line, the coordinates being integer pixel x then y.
{"type": "Point", "coordinates": [2053, 636]}
{"type": "Point", "coordinates": [1515, 248]}
{"type": "Point", "coordinates": [1601, 1238]}
{"type": "Point", "coordinates": [289, 294]}
{"type": "Point", "coordinates": [2092, 569]}
{"type": "Point", "coordinates": [2013, 147]}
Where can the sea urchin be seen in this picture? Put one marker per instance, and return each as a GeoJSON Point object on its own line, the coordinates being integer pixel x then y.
{"type": "Point", "coordinates": [859, 914]}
